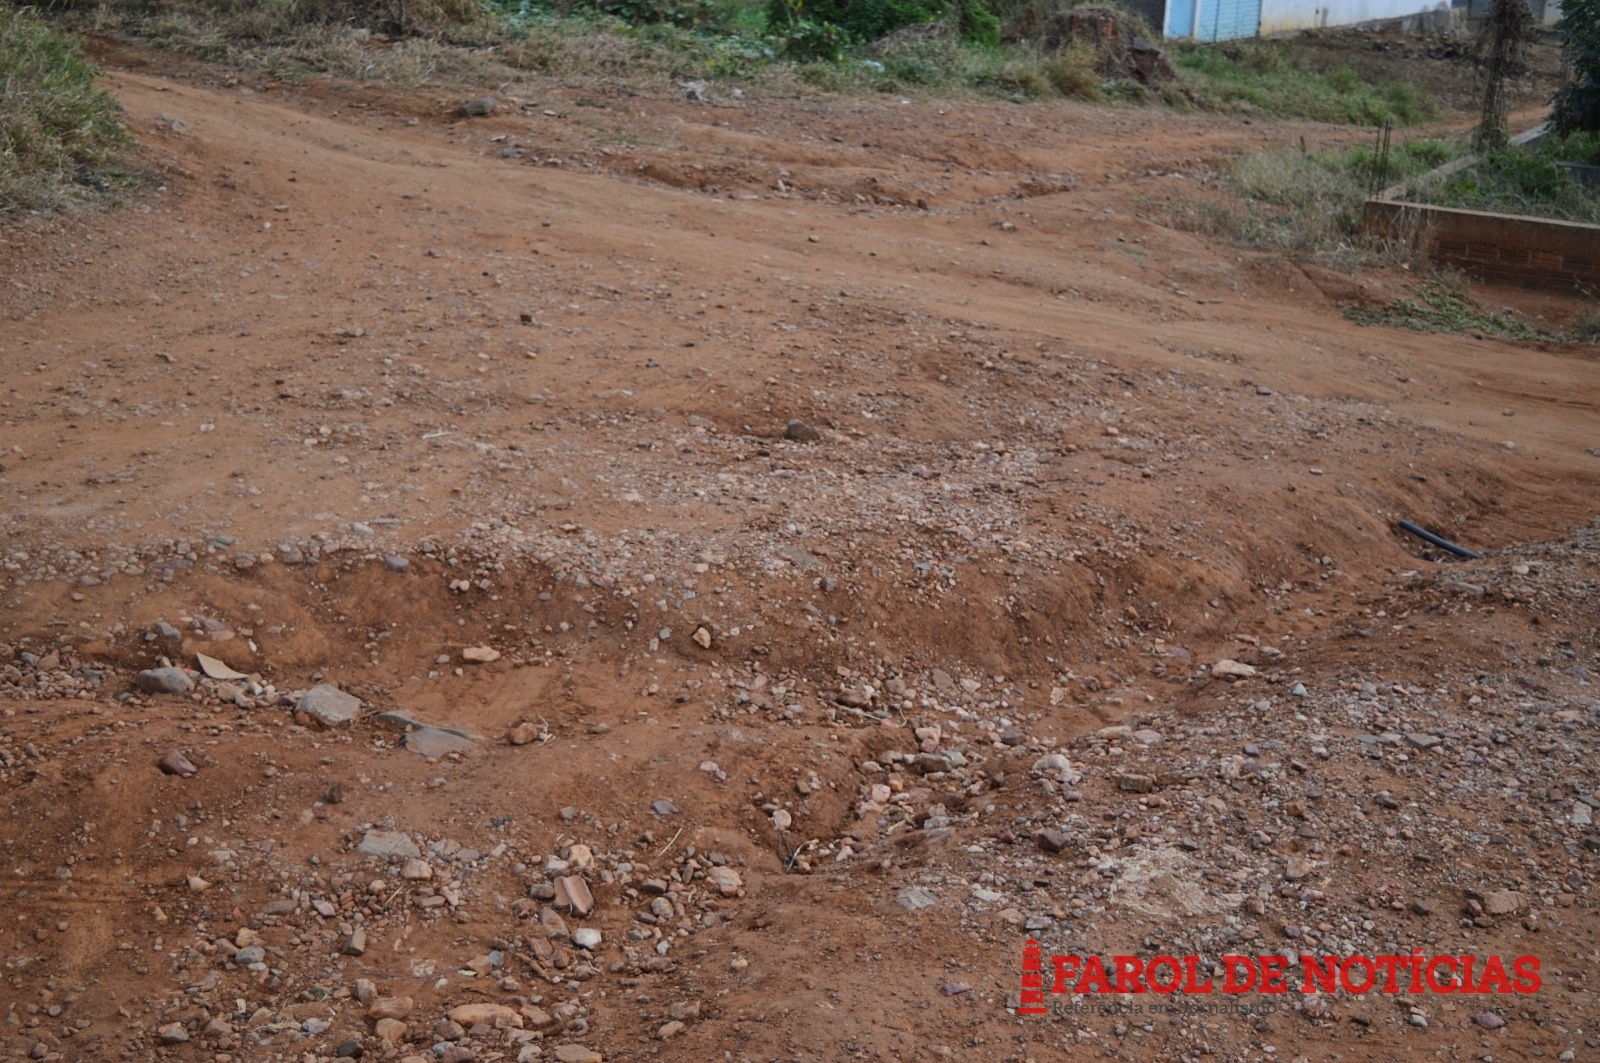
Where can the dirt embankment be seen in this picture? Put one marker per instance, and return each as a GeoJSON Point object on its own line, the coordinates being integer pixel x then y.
{"type": "Point", "coordinates": [857, 500]}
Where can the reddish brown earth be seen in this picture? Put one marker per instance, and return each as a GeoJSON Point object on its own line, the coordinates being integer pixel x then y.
{"type": "Point", "coordinates": [1064, 460]}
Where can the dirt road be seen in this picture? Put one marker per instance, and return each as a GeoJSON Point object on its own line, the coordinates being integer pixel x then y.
{"type": "Point", "coordinates": [856, 500]}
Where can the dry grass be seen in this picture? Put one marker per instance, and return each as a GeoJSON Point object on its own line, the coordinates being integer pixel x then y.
{"type": "Point", "coordinates": [59, 134]}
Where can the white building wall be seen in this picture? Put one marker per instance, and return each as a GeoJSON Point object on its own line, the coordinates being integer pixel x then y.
{"type": "Point", "coordinates": [1283, 16]}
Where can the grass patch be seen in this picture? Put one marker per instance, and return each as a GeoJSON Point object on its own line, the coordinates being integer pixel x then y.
{"type": "Point", "coordinates": [1442, 308]}
{"type": "Point", "coordinates": [1581, 148]}
{"type": "Point", "coordinates": [1303, 202]}
{"type": "Point", "coordinates": [1514, 182]}
{"type": "Point", "coordinates": [1263, 78]}
{"type": "Point", "coordinates": [59, 134]}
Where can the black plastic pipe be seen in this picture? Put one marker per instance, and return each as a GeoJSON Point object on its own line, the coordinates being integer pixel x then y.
{"type": "Point", "coordinates": [1439, 541]}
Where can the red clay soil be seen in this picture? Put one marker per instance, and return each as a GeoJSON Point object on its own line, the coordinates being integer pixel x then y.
{"type": "Point", "coordinates": [858, 499]}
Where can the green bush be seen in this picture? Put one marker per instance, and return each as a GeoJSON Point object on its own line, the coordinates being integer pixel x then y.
{"type": "Point", "coordinates": [686, 14]}
{"type": "Point", "coordinates": [864, 21]}
{"type": "Point", "coordinates": [57, 131]}
{"type": "Point", "coordinates": [1581, 148]}
{"type": "Point", "coordinates": [1577, 103]}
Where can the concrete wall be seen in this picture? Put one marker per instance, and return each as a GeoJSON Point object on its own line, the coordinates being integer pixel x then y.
{"type": "Point", "coordinates": [1284, 16]}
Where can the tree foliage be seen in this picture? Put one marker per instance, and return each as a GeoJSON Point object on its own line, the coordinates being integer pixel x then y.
{"type": "Point", "coordinates": [862, 21]}
{"type": "Point", "coordinates": [1577, 103]}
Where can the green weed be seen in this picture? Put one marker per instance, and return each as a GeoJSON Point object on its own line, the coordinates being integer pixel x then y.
{"type": "Point", "coordinates": [1262, 77]}
{"type": "Point", "coordinates": [1443, 308]}
{"type": "Point", "coordinates": [1514, 182]}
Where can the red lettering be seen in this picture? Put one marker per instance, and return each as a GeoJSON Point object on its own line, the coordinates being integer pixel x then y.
{"type": "Point", "coordinates": [1527, 970]}
{"type": "Point", "coordinates": [1066, 971]}
{"type": "Point", "coordinates": [1494, 971]}
{"type": "Point", "coordinates": [1191, 970]}
{"type": "Point", "coordinates": [1094, 974]}
{"type": "Point", "coordinates": [1155, 984]}
{"type": "Point", "coordinates": [1430, 974]}
{"type": "Point", "coordinates": [1233, 964]}
{"type": "Point", "coordinates": [1274, 969]}
{"type": "Point", "coordinates": [1324, 978]}
{"type": "Point", "coordinates": [1366, 965]}
{"type": "Point", "coordinates": [1388, 965]}
{"type": "Point", "coordinates": [1415, 960]}
{"type": "Point", "coordinates": [1467, 963]}
{"type": "Point", "coordinates": [1130, 974]}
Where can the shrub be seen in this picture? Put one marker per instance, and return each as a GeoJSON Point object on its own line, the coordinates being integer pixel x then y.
{"type": "Point", "coordinates": [1073, 72]}
{"type": "Point", "coordinates": [863, 21]}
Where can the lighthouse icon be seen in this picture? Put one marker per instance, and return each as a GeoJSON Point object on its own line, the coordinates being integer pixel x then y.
{"type": "Point", "coordinates": [1032, 1000]}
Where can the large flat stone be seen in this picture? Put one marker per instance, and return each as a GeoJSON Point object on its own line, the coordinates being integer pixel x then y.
{"type": "Point", "coordinates": [436, 741]}
{"type": "Point", "coordinates": [387, 843]}
{"type": "Point", "coordinates": [329, 706]}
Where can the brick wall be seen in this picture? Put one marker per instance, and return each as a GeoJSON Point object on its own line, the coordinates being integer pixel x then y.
{"type": "Point", "coordinates": [1553, 255]}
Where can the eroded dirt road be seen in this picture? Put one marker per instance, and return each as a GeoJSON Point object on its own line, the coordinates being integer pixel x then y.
{"type": "Point", "coordinates": [870, 471]}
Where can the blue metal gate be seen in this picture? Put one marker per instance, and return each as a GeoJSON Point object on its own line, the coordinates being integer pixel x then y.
{"type": "Point", "coordinates": [1229, 19]}
{"type": "Point", "coordinates": [1214, 20]}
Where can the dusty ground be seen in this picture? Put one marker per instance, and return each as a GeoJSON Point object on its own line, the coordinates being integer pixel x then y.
{"type": "Point", "coordinates": [364, 385]}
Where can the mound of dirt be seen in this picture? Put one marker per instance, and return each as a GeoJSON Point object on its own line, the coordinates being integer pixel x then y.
{"type": "Point", "coordinates": [1121, 41]}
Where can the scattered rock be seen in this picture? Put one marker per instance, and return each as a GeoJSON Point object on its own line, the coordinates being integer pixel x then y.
{"type": "Point", "coordinates": [525, 733]}
{"type": "Point", "coordinates": [433, 742]}
{"type": "Point", "coordinates": [356, 943]}
{"type": "Point", "coordinates": [726, 879]}
{"type": "Point", "coordinates": [1504, 902]}
{"type": "Point", "coordinates": [387, 843]}
{"type": "Point", "coordinates": [917, 898]}
{"type": "Point", "coordinates": [1489, 1020]}
{"type": "Point", "coordinates": [586, 938]}
{"type": "Point", "coordinates": [570, 1053]}
{"type": "Point", "coordinates": [572, 893]}
{"type": "Point", "coordinates": [328, 706]}
{"type": "Point", "coordinates": [482, 107]}
{"type": "Point", "coordinates": [1051, 841]}
{"type": "Point", "coordinates": [164, 681]}
{"type": "Point", "coordinates": [480, 654]}
{"type": "Point", "coordinates": [1055, 765]}
{"type": "Point", "coordinates": [391, 1008]}
{"type": "Point", "coordinates": [1232, 670]}
{"type": "Point", "coordinates": [175, 763]}
{"type": "Point", "coordinates": [498, 1015]}
{"type": "Point", "coordinates": [800, 432]}
{"type": "Point", "coordinates": [217, 669]}
{"type": "Point", "coordinates": [172, 1034]}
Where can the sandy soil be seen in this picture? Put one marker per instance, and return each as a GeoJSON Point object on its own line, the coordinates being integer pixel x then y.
{"type": "Point", "coordinates": [857, 499]}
